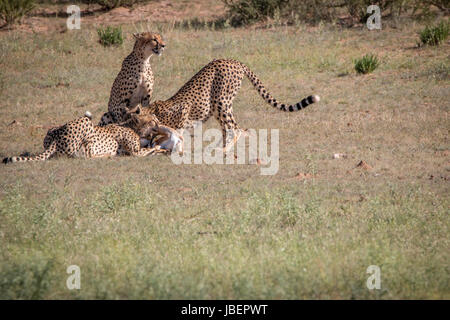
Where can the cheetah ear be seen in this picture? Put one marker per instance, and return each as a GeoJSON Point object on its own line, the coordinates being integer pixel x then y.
{"type": "Point", "coordinates": [138, 110]}
{"type": "Point", "coordinates": [137, 36]}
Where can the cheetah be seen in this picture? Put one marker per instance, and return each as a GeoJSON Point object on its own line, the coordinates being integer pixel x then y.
{"type": "Point", "coordinates": [134, 83]}
{"type": "Point", "coordinates": [159, 137]}
{"type": "Point", "coordinates": [112, 140]}
{"type": "Point", "coordinates": [211, 92]}
{"type": "Point", "coordinates": [96, 141]}
{"type": "Point", "coordinates": [66, 139]}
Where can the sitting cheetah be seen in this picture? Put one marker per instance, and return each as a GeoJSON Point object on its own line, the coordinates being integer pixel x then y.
{"type": "Point", "coordinates": [211, 92]}
{"type": "Point", "coordinates": [72, 137]}
{"type": "Point", "coordinates": [134, 83]}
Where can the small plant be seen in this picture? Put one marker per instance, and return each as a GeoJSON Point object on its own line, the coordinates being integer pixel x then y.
{"type": "Point", "coordinates": [434, 36]}
{"type": "Point", "coordinates": [110, 36]}
{"type": "Point", "coordinates": [13, 10]}
{"type": "Point", "coordinates": [367, 64]}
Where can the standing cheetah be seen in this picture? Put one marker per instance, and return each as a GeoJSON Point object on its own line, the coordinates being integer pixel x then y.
{"type": "Point", "coordinates": [211, 92]}
{"type": "Point", "coordinates": [134, 83]}
{"type": "Point", "coordinates": [79, 134]}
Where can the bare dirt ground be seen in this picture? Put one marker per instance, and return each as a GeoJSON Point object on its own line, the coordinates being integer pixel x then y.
{"type": "Point", "coordinates": [52, 18]}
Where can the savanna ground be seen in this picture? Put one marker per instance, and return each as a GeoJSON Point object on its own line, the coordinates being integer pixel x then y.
{"type": "Point", "coordinates": [149, 229]}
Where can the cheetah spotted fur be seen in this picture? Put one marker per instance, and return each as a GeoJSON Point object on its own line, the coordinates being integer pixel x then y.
{"type": "Point", "coordinates": [134, 83]}
{"type": "Point", "coordinates": [96, 141]}
{"type": "Point", "coordinates": [210, 93]}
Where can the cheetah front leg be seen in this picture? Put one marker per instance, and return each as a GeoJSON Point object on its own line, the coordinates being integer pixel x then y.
{"type": "Point", "coordinates": [141, 95]}
{"type": "Point", "coordinates": [145, 101]}
{"type": "Point", "coordinates": [230, 130]}
{"type": "Point", "coordinates": [143, 152]}
{"type": "Point", "coordinates": [133, 147]}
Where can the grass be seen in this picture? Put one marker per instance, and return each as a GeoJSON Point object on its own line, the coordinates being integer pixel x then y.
{"type": "Point", "coordinates": [12, 11]}
{"type": "Point", "coordinates": [110, 36]}
{"type": "Point", "coordinates": [434, 36]}
{"type": "Point", "coordinates": [146, 228]}
{"type": "Point", "coordinates": [366, 64]}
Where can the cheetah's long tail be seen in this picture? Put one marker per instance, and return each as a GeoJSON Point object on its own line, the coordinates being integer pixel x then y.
{"type": "Point", "coordinates": [265, 94]}
{"type": "Point", "coordinates": [39, 157]}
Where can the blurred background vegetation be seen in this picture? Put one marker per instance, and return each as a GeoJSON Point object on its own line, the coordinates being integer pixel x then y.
{"type": "Point", "coordinates": [242, 12]}
{"type": "Point", "coordinates": [246, 12]}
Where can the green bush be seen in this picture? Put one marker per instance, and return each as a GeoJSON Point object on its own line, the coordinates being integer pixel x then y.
{"type": "Point", "coordinates": [13, 10]}
{"type": "Point", "coordinates": [434, 36]}
{"type": "Point", "coordinates": [366, 64]}
{"type": "Point", "coordinates": [243, 12]}
{"type": "Point", "coordinates": [110, 36]}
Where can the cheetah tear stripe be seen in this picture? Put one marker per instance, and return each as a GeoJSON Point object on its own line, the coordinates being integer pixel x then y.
{"type": "Point", "coordinates": [265, 94]}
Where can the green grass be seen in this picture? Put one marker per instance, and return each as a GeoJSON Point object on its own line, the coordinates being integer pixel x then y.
{"type": "Point", "coordinates": [268, 244]}
{"type": "Point", "coordinates": [436, 35]}
{"type": "Point", "coordinates": [367, 64]}
{"type": "Point", "coordinates": [146, 228]}
{"type": "Point", "coordinates": [110, 36]}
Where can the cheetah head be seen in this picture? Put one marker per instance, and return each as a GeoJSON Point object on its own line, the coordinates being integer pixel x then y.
{"type": "Point", "coordinates": [149, 42]}
{"type": "Point", "coordinates": [141, 121]}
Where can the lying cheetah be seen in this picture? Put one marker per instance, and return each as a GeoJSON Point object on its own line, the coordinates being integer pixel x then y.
{"type": "Point", "coordinates": [66, 139]}
{"type": "Point", "coordinates": [109, 140]}
{"type": "Point", "coordinates": [134, 83]}
{"type": "Point", "coordinates": [70, 138]}
{"type": "Point", "coordinates": [211, 92]}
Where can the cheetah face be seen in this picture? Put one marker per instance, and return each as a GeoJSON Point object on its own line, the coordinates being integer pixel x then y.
{"type": "Point", "coordinates": [150, 42]}
{"type": "Point", "coordinates": [142, 121]}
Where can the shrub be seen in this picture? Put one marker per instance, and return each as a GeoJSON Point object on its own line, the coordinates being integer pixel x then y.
{"type": "Point", "coordinates": [248, 11]}
{"type": "Point", "coordinates": [110, 36]}
{"type": "Point", "coordinates": [366, 64]}
{"type": "Point", "coordinates": [434, 36]}
{"type": "Point", "coordinates": [242, 12]}
{"type": "Point", "coordinates": [443, 5]}
{"type": "Point", "coordinates": [13, 10]}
